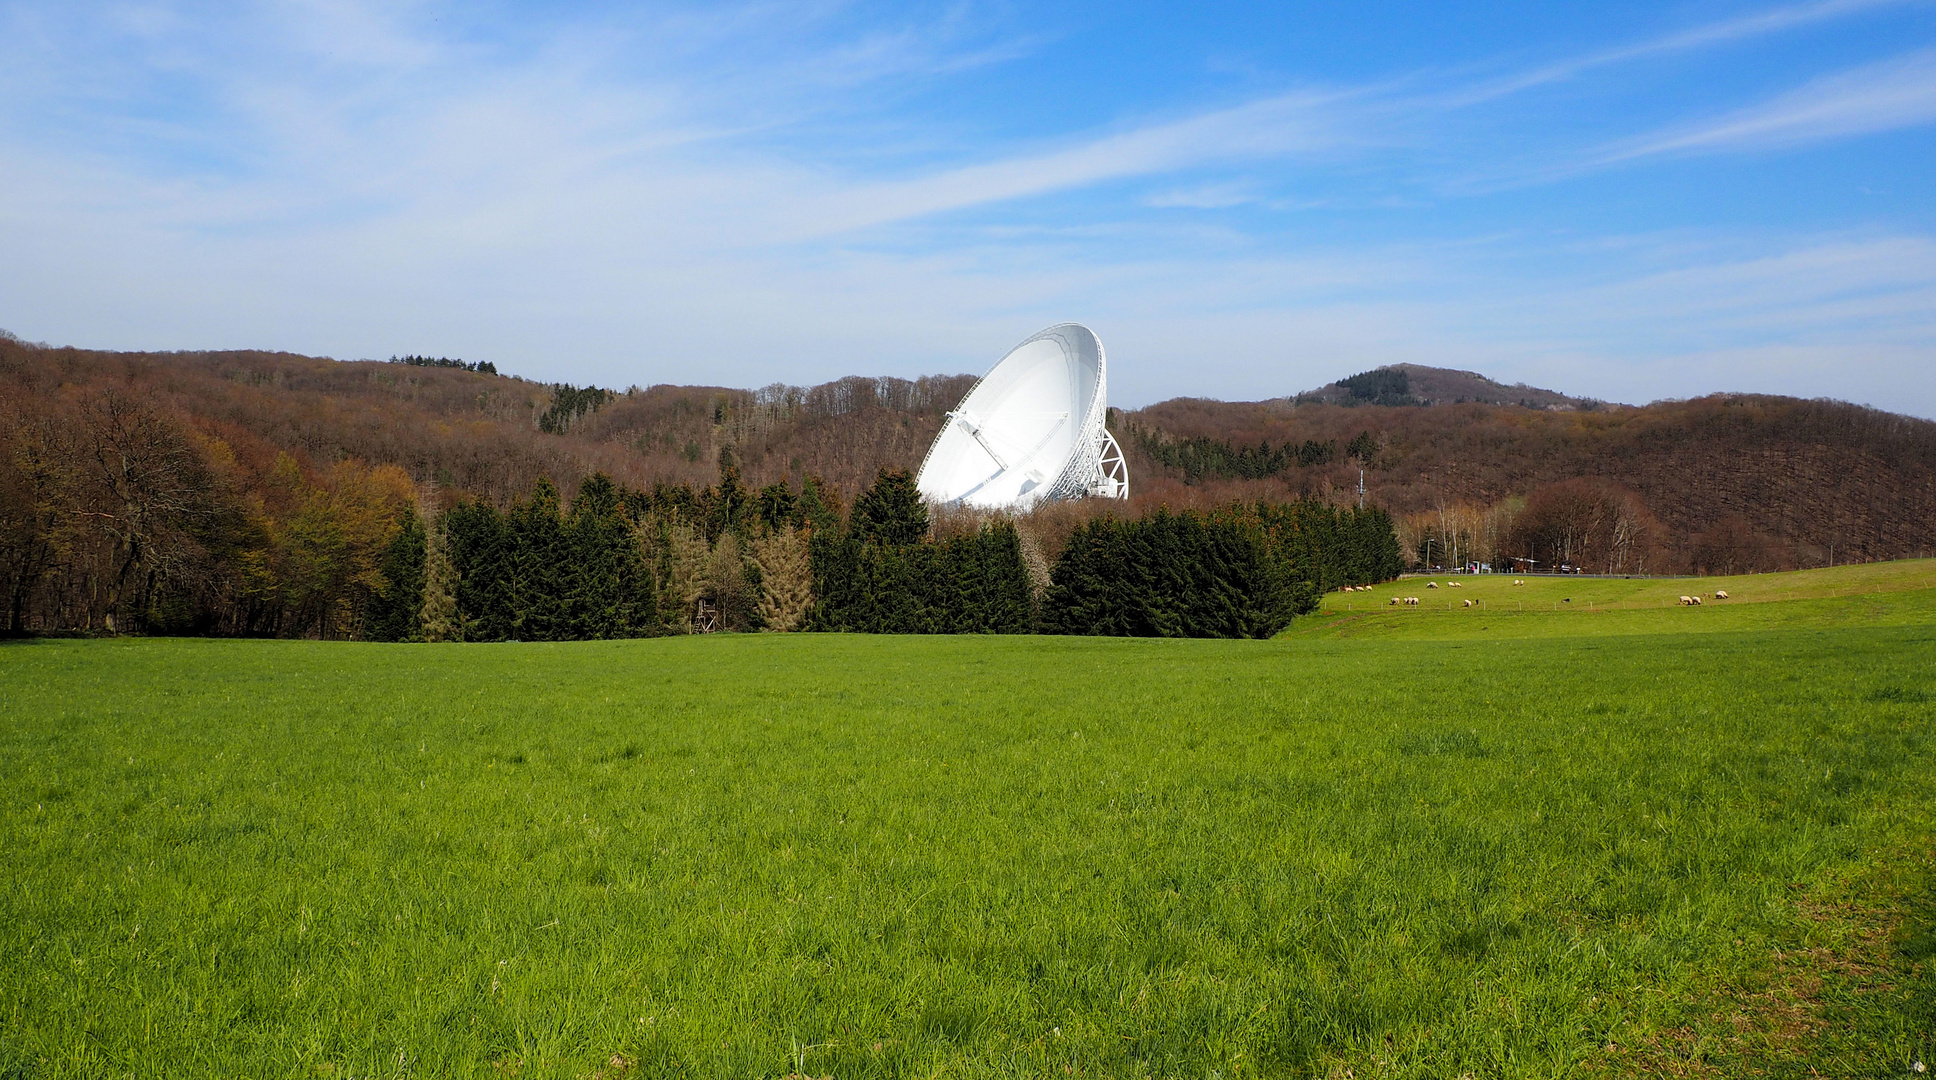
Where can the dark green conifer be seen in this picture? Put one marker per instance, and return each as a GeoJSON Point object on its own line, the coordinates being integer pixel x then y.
{"type": "Point", "coordinates": [774, 506]}
{"type": "Point", "coordinates": [480, 552]}
{"type": "Point", "coordinates": [395, 610]}
{"type": "Point", "coordinates": [818, 509]}
{"type": "Point", "coordinates": [539, 567]}
{"type": "Point", "coordinates": [892, 511]}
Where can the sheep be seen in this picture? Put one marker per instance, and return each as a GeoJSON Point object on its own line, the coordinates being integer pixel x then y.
{"type": "Point", "coordinates": [1686, 601]}
{"type": "Point", "coordinates": [1466, 603]}
{"type": "Point", "coordinates": [1455, 584]}
{"type": "Point", "coordinates": [1431, 584]}
{"type": "Point", "coordinates": [1394, 601]}
{"type": "Point", "coordinates": [1696, 598]}
{"type": "Point", "coordinates": [1721, 594]}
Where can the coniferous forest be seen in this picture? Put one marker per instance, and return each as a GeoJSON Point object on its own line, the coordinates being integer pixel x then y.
{"type": "Point", "coordinates": [621, 563]}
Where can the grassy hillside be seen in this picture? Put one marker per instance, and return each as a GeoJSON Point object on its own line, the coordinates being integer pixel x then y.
{"type": "Point", "coordinates": [1871, 594]}
{"type": "Point", "coordinates": [802, 855]}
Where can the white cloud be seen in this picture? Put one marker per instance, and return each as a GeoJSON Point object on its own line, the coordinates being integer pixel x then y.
{"type": "Point", "coordinates": [1723, 32]}
{"type": "Point", "coordinates": [573, 214]}
{"type": "Point", "coordinates": [1885, 96]}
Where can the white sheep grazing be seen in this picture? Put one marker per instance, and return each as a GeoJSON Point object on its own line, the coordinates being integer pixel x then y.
{"type": "Point", "coordinates": [1686, 600]}
{"type": "Point", "coordinates": [1721, 594]}
{"type": "Point", "coordinates": [1466, 603]}
{"type": "Point", "coordinates": [1394, 601]}
{"type": "Point", "coordinates": [1697, 600]}
{"type": "Point", "coordinates": [1431, 584]}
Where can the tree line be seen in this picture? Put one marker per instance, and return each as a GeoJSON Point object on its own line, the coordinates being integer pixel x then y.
{"type": "Point", "coordinates": [122, 520]}
{"type": "Point", "coordinates": [1242, 571]}
{"type": "Point", "coordinates": [482, 367]}
{"type": "Point", "coordinates": [1203, 458]}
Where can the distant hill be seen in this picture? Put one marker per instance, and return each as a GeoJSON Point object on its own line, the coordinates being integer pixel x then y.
{"type": "Point", "coordinates": [1416, 384]}
{"type": "Point", "coordinates": [460, 431]}
{"type": "Point", "coordinates": [1723, 483]}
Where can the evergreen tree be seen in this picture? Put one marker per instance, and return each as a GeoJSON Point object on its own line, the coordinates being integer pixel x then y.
{"type": "Point", "coordinates": [837, 592]}
{"type": "Point", "coordinates": [786, 579]}
{"type": "Point", "coordinates": [818, 509]}
{"type": "Point", "coordinates": [728, 505]}
{"type": "Point", "coordinates": [395, 607]}
{"type": "Point", "coordinates": [1363, 448]}
{"type": "Point", "coordinates": [439, 617]}
{"type": "Point", "coordinates": [479, 543]}
{"type": "Point", "coordinates": [774, 507]}
{"type": "Point", "coordinates": [892, 511]}
{"type": "Point", "coordinates": [1008, 596]}
{"type": "Point", "coordinates": [540, 563]}
{"type": "Point", "coordinates": [1173, 575]}
{"type": "Point", "coordinates": [676, 501]}
{"type": "Point", "coordinates": [608, 590]}
{"type": "Point", "coordinates": [682, 574]}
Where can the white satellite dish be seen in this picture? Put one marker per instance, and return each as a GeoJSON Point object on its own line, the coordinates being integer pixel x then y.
{"type": "Point", "coordinates": [1031, 430]}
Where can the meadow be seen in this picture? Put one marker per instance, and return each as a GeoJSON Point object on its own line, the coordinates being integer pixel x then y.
{"type": "Point", "coordinates": [1899, 593]}
{"type": "Point", "coordinates": [1382, 845]}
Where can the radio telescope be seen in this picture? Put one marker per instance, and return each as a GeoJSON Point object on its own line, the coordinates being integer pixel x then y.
{"type": "Point", "coordinates": [1031, 430]}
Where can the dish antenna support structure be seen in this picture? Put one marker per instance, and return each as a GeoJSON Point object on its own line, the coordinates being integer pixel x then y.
{"type": "Point", "coordinates": [1032, 430]}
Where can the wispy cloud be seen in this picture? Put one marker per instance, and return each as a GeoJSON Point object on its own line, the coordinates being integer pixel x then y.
{"type": "Point", "coordinates": [720, 194]}
{"type": "Point", "coordinates": [1723, 32]}
{"type": "Point", "coordinates": [1884, 96]}
{"type": "Point", "coordinates": [1304, 123]}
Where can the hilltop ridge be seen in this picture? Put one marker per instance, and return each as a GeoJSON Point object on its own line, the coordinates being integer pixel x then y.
{"type": "Point", "coordinates": [1417, 384]}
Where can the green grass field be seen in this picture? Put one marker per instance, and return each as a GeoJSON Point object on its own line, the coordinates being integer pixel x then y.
{"type": "Point", "coordinates": [1385, 844]}
{"type": "Point", "coordinates": [1872, 594]}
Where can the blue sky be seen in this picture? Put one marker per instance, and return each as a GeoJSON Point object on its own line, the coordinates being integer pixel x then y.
{"type": "Point", "coordinates": [1631, 201]}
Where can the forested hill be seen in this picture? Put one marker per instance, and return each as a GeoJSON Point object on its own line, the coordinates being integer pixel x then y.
{"type": "Point", "coordinates": [1724, 483]}
{"type": "Point", "coordinates": [466, 432]}
{"type": "Point", "coordinates": [1416, 384]}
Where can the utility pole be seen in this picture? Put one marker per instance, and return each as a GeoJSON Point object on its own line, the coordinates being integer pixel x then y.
{"type": "Point", "coordinates": [1361, 489]}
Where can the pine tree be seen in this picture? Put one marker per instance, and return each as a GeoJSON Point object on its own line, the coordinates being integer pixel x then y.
{"type": "Point", "coordinates": [818, 509]}
{"type": "Point", "coordinates": [728, 505]}
{"type": "Point", "coordinates": [892, 511]}
{"type": "Point", "coordinates": [1008, 599]}
{"type": "Point", "coordinates": [597, 539]}
{"type": "Point", "coordinates": [774, 508]}
{"type": "Point", "coordinates": [682, 574]}
{"type": "Point", "coordinates": [1174, 575]}
{"type": "Point", "coordinates": [479, 543]}
{"type": "Point", "coordinates": [786, 579]}
{"type": "Point", "coordinates": [439, 617]}
{"type": "Point", "coordinates": [540, 560]}
{"type": "Point", "coordinates": [394, 608]}
{"type": "Point", "coordinates": [835, 562]}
